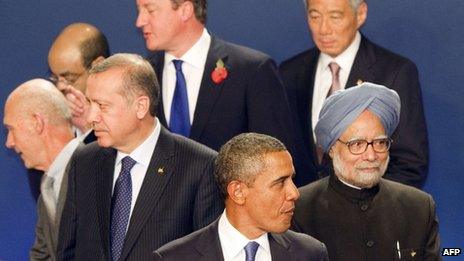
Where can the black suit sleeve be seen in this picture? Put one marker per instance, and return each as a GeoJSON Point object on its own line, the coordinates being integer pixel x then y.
{"type": "Point", "coordinates": [409, 152]}
{"type": "Point", "coordinates": [68, 225]}
{"type": "Point", "coordinates": [208, 202]}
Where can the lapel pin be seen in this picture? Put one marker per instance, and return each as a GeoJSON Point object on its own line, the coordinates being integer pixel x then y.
{"type": "Point", "coordinates": [160, 171]}
{"type": "Point", "coordinates": [359, 82]}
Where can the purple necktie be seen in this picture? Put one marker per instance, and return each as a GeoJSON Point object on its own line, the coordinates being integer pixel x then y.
{"type": "Point", "coordinates": [334, 69]}
{"type": "Point", "coordinates": [120, 207]}
{"type": "Point", "coordinates": [250, 250]}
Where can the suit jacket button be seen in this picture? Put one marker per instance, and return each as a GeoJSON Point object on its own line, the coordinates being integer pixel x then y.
{"type": "Point", "coordinates": [370, 243]}
{"type": "Point", "coordinates": [364, 207]}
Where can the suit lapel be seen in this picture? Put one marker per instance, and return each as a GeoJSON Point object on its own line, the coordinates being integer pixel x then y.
{"type": "Point", "coordinates": [209, 91]}
{"type": "Point", "coordinates": [104, 185]}
{"type": "Point", "coordinates": [279, 245]}
{"type": "Point", "coordinates": [209, 245]}
{"type": "Point", "coordinates": [152, 188]}
{"type": "Point", "coordinates": [362, 65]}
{"type": "Point", "coordinates": [157, 61]}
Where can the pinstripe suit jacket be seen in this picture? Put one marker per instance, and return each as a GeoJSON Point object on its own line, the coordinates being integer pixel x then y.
{"type": "Point", "coordinates": [173, 203]}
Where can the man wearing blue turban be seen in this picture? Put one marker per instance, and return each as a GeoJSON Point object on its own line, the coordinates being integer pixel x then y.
{"type": "Point", "coordinates": [358, 214]}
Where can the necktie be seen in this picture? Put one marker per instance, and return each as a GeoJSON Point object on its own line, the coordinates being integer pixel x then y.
{"type": "Point", "coordinates": [250, 250]}
{"type": "Point", "coordinates": [180, 119]}
{"type": "Point", "coordinates": [121, 205]}
{"type": "Point", "coordinates": [334, 69]}
{"type": "Point", "coordinates": [48, 195]}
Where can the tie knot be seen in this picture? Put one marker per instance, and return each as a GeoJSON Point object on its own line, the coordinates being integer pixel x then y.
{"type": "Point", "coordinates": [250, 250]}
{"type": "Point", "coordinates": [334, 67]}
{"type": "Point", "coordinates": [47, 182]}
{"type": "Point", "coordinates": [178, 64]}
{"type": "Point", "coordinates": [127, 163]}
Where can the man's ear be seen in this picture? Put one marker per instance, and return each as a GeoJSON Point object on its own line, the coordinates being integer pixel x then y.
{"type": "Point", "coordinates": [237, 191]}
{"type": "Point", "coordinates": [331, 153]}
{"type": "Point", "coordinates": [38, 123]}
{"type": "Point", "coordinates": [97, 60]}
{"type": "Point", "coordinates": [143, 106]}
{"type": "Point", "coordinates": [187, 10]}
{"type": "Point", "coordinates": [361, 14]}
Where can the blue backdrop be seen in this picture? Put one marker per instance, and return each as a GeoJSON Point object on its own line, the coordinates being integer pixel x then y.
{"type": "Point", "coordinates": [428, 32]}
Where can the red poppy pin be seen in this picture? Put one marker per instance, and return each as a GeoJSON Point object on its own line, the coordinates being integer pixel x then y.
{"type": "Point", "coordinates": [220, 72]}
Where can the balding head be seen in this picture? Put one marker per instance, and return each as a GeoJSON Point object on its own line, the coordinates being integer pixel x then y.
{"type": "Point", "coordinates": [38, 122]}
{"type": "Point", "coordinates": [73, 52]}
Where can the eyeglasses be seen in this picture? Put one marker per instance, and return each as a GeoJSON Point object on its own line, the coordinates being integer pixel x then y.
{"type": "Point", "coordinates": [69, 79]}
{"type": "Point", "coordinates": [357, 147]}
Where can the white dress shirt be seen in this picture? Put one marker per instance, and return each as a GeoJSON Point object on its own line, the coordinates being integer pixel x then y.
{"type": "Point", "coordinates": [193, 66]}
{"type": "Point", "coordinates": [142, 155]}
{"type": "Point", "coordinates": [57, 168]}
{"type": "Point", "coordinates": [323, 79]}
{"type": "Point", "coordinates": [233, 242]}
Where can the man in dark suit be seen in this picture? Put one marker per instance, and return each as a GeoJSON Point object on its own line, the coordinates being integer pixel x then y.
{"type": "Point", "coordinates": [229, 89]}
{"type": "Point", "coordinates": [355, 212]}
{"type": "Point", "coordinates": [343, 58]}
{"type": "Point", "coordinates": [139, 186]}
{"type": "Point", "coordinates": [39, 130]}
{"type": "Point", "coordinates": [254, 172]}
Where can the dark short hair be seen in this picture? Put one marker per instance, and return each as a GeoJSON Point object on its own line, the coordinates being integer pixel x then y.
{"type": "Point", "coordinates": [199, 5]}
{"type": "Point", "coordinates": [138, 77]}
{"type": "Point", "coordinates": [94, 47]}
{"type": "Point", "coordinates": [242, 158]}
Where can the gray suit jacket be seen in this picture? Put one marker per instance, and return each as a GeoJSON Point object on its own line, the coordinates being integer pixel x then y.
{"type": "Point", "coordinates": [204, 245]}
{"type": "Point", "coordinates": [46, 231]}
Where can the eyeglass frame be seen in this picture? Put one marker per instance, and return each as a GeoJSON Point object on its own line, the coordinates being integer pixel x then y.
{"type": "Point", "coordinates": [347, 144]}
{"type": "Point", "coordinates": [56, 79]}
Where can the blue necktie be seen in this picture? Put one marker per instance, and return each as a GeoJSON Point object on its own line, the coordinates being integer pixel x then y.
{"type": "Point", "coordinates": [250, 250]}
{"type": "Point", "coordinates": [121, 205]}
{"type": "Point", "coordinates": [180, 118]}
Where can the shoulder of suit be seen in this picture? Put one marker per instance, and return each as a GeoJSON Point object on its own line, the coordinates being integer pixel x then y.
{"type": "Point", "coordinates": [298, 60]}
{"type": "Point", "coordinates": [186, 145]}
{"type": "Point", "coordinates": [314, 188]}
{"type": "Point", "coordinates": [303, 241]}
{"type": "Point", "coordinates": [385, 54]}
{"type": "Point", "coordinates": [90, 151]}
{"type": "Point", "coordinates": [183, 245]}
{"type": "Point", "coordinates": [404, 192]}
{"type": "Point", "coordinates": [244, 53]}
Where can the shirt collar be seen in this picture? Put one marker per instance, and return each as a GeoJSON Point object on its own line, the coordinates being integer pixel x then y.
{"type": "Point", "coordinates": [230, 234]}
{"type": "Point", "coordinates": [346, 58]}
{"type": "Point", "coordinates": [58, 166]}
{"type": "Point", "coordinates": [194, 55]}
{"type": "Point", "coordinates": [142, 154]}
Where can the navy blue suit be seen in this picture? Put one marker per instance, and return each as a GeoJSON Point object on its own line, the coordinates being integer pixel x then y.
{"type": "Point", "coordinates": [180, 199]}
{"type": "Point", "coordinates": [251, 98]}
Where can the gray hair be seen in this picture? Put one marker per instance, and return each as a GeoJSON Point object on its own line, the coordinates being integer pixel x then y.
{"type": "Point", "coordinates": [242, 158]}
{"type": "Point", "coordinates": [41, 96]}
{"type": "Point", "coordinates": [353, 3]}
{"type": "Point", "coordinates": [138, 77]}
